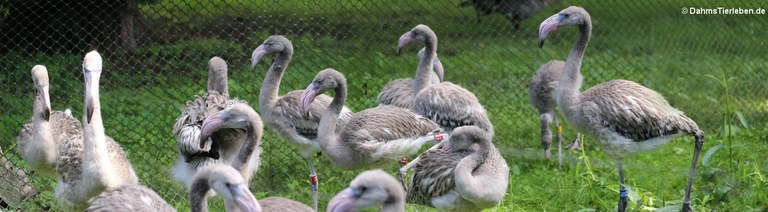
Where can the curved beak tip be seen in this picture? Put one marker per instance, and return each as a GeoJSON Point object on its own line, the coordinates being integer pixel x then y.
{"type": "Point", "coordinates": [308, 97]}
{"type": "Point", "coordinates": [203, 141]}
{"type": "Point", "coordinates": [404, 39]}
{"type": "Point", "coordinates": [546, 27]}
{"type": "Point", "coordinates": [89, 116]}
{"type": "Point", "coordinates": [210, 125]}
{"type": "Point", "coordinates": [256, 56]}
{"type": "Point", "coordinates": [47, 115]}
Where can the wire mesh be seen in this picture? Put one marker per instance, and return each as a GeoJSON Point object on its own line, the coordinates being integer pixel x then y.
{"type": "Point", "coordinates": [156, 51]}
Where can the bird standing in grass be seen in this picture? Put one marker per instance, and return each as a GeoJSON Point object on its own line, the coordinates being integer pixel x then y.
{"type": "Point", "coordinates": [625, 117]}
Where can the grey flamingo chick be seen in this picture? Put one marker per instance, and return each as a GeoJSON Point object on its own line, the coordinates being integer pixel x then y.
{"type": "Point", "coordinates": [625, 117]}
{"type": "Point", "coordinates": [447, 104]}
{"type": "Point", "coordinates": [542, 93]}
{"type": "Point", "coordinates": [375, 137]}
{"type": "Point", "coordinates": [91, 162]}
{"type": "Point", "coordinates": [467, 174]}
{"type": "Point", "coordinates": [399, 92]}
{"type": "Point", "coordinates": [284, 114]}
{"type": "Point", "coordinates": [41, 136]}
{"type": "Point", "coordinates": [374, 188]}
{"type": "Point", "coordinates": [223, 145]}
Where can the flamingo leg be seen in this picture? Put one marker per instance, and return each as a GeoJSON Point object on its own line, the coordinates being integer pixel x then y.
{"type": "Point", "coordinates": [313, 180]}
{"type": "Point", "coordinates": [558, 135]}
{"type": "Point", "coordinates": [546, 134]}
{"type": "Point", "coordinates": [696, 151]}
{"type": "Point", "coordinates": [622, 191]}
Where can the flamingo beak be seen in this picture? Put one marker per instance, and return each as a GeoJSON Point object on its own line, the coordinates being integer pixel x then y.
{"type": "Point", "coordinates": [46, 99]}
{"type": "Point", "coordinates": [438, 67]}
{"type": "Point", "coordinates": [244, 199]}
{"type": "Point", "coordinates": [210, 125]}
{"type": "Point", "coordinates": [89, 103]}
{"type": "Point", "coordinates": [257, 54]}
{"type": "Point", "coordinates": [309, 96]}
{"type": "Point", "coordinates": [404, 39]}
{"type": "Point", "coordinates": [547, 26]}
{"type": "Point", "coordinates": [344, 201]}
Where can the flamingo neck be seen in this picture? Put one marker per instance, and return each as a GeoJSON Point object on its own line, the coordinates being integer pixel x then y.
{"type": "Point", "coordinates": [426, 65]}
{"type": "Point", "coordinates": [218, 81]}
{"type": "Point", "coordinates": [42, 141]}
{"type": "Point", "coordinates": [571, 79]}
{"type": "Point", "coordinates": [252, 138]}
{"type": "Point", "coordinates": [96, 156]}
{"type": "Point", "coordinates": [326, 132]}
{"type": "Point", "coordinates": [271, 86]}
{"type": "Point", "coordinates": [197, 199]}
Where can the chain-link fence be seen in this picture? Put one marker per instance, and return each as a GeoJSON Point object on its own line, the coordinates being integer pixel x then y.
{"type": "Point", "coordinates": [156, 51]}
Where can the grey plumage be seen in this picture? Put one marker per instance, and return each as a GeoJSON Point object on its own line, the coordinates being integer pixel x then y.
{"type": "Point", "coordinates": [90, 162]}
{"type": "Point", "coordinates": [284, 114]}
{"type": "Point", "coordinates": [630, 110]}
{"type": "Point", "coordinates": [223, 144]}
{"type": "Point", "coordinates": [468, 174]}
{"type": "Point", "coordinates": [447, 104]}
{"type": "Point", "coordinates": [129, 198]}
{"type": "Point", "coordinates": [623, 116]}
{"type": "Point", "coordinates": [40, 137]}
{"type": "Point", "coordinates": [399, 92]}
{"type": "Point", "coordinates": [543, 85]}
{"type": "Point", "coordinates": [375, 137]}
{"type": "Point", "coordinates": [433, 175]}
{"type": "Point", "coordinates": [542, 93]}
{"type": "Point", "coordinates": [373, 188]}
{"type": "Point", "coordinates": [70, 166]}
{"type": "Point", "coordinates": [452, 106]}
{"type": "Point", "coordinates": [279, 204]}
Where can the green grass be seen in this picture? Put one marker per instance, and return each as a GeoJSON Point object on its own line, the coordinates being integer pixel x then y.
{"type": "Point", "coordinates": [652, 44]}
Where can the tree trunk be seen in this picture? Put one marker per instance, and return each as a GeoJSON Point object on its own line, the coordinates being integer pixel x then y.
{"type": "Point", "coordinates": [130, 21]}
